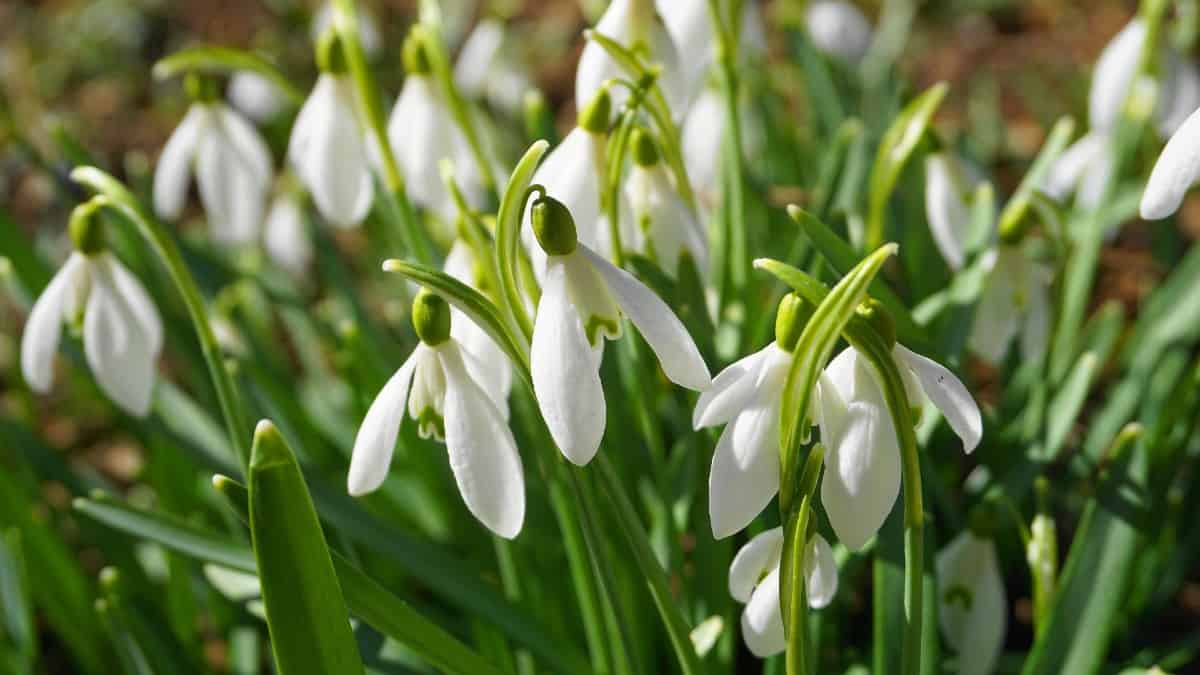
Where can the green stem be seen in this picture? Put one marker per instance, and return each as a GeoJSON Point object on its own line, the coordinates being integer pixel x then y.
{"type": "Point", "coordinates": [798, 657]}
{"type": "Point", "coordinates": [733, 207]}
{"type": "Point", "coordinates": [121, 199]}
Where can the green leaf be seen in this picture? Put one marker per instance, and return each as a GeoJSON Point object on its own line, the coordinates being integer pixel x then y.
{"type": "Point", "coordinates": [1067, 403]}
{"type": "Point", "coordinates": [1013, 215]}
{"type": "Point", "coordinates": [310, 629]}
{"type": "Point", "coordinates": [508, 235]}
{"type": "Point", "coordinates": [898, 144]}
{"type": "Point", "coordinates": [223, 60]}
{"type": "Point", "coordinates": [15, 603]}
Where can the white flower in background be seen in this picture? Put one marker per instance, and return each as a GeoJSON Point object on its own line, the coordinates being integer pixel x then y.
{"type": "Point", "coordinates": [122, 330]}
{"type": "Point", "coordinates": [583, 299]}
{"type": "Point", "coordinates": [690, 24]}
{"type": "Point", "coordinates": [702, 135]}
{"type": "Point", "coordinates": [1083, 169]}
{"type": "Point", "coordinates": [231, 162]}
{"type": "Point", "coordinates": [255, 96]}
{"type": "Point", "coordinates": [636, 25]}
{"type": "Point", "coordinates": [839, 30]}
{"type": "Point", "coordinates": [328, 150]}
{"type": "Point", "coordinates": [571, 174]}
{"type": "Point", "coordinates": [1174, 173]}
{"type": "Point", "coordinates": [972, 606]}
{"type": "Point", "coordinates": [368, 30]}
{"type": "Point", "coordinates": [285, 236]}
{"type": "Point", "coordinates": [1180, 95]}
{"type": "Point", "coordinates": [487, 68]}
{"type": "Point", "coordinates": [1015, 299]}
{"type": "Point", "coordinates": [946, 207]}
{"type": "Point", "coordinates": [436, 387]}
{"type": "Point", "coordinates": [492, 369]}
{"type": "Point", "coordinates": [1113, 76]}
{"type": "Point", "coordinates": [862, 460]}
{"type": "Point", "coordinates": [754, 580]}
{"type": "Point", "coordinates": [746, 397]}
{"type": "Point", "coordinates": [664, 225]}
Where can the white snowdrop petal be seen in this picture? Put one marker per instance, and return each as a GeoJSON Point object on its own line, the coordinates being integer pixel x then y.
{"type": "Point", "coordinates": [421, 132]}
{"type": "Point", "coordinates": [972, 603]}
{"type": "Point", "coordinates": [1176, 170]}
{"type": "Point", "coordinates": [376, 438]}
{"type": "Point", "coordinates": [742, 480]}
{"type": "Point", "coordinates": [476, 56]}
{"type": "Point", "coordinates": [703, 129]}
{"type": "Point", "coordinates": [752, 561]}
{"type": "Point", "coordinates": [229, 189]}
{"type": "Point", "coordinates": [731, 391]}
{"type": "Point", "coordinates": [688, 23]}
{"type": "Point", "coordinates": [250, 147]}
{"type": "Point", "coordinates": [285, 237]}
{"type": "Point", "coordinates": [762, 620]}
{"type": "Point", "coordinates": [862, 473]}
{"type": "Point", "coordinates": [341, 179]}
{"type": "Point", "coordinates": [137, 299]}
{"type": "Point", "coordinates": [116, 346]}
{"type": "Point", "coordinates": [820, 572]}
{"type": "Point", "coordinates": [254, 95]}
{"type": "Point", "coordinates": [173, 172]}
{"type": "Point", "coordinates": [43, 328]}
{"type": "Point", "coordinates": [948, 393]}
{"type": "Point", "coordinates": [569, 174]}
{"type": "Point", "coordinates": [233, 584]}
{"type": "Point", "coordinates": [839, 29]}
{"type": "Point", "coordinates": [485, 361]}
{"type": "Point", "coordinates": [483, 453]}
{"type": "Point", "coordinates": [1069, 169]}
{"type": "Point", "coordinates": [314, 116]}
{"type": "Point", "coordinates": [1113, 76]}
{"type": "Point", "coordinates": [948, 214]}
{"type": "Point", "coordinates": [566, 378]}
{"type": "Point", "coordinates": [676, 351]}
{"type": "Point", "coordinates": [1181, 94]}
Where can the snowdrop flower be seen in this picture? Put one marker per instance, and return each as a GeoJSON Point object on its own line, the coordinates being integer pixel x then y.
{"type": "Point", "coordinates": [665, 226]}
{"type": "Point", "coordinates": [1180, 95]}
{"type": "Point", "coordinates": [122, 330]}
{"type": "Point", "coordinates": [747, 396]}
{"type": "Point", "coordinates": [491, 367]}
{"type": "Point", "coordinates": [754, 580]}
{"type": "Point", "coordinates": [972, 606]}
{"type": "Point", "coordinates": [1174, 173]}
{"type": "Point", "coordinates": [1083, 169]}
{"type": "Point", "coordinates": [435, 385]}
{"type": "Point", "coordinates": [636, 25]}
{"type": "Point", "coordinates": [487, 69]}
{"type": "Point", "coordinates": [285, 237]}
{"type": "Point", "coordinates": [422, 133]}
{"type": "Point", "coordinates": [254, 95]}
{"type": "Point", "coordinates": [231, 161]}
{"type": "Point", "coordinates": [690, 24]}
{"type": "Point", "coordinates": [839, 30]}
{"type": "Point", "coordinates": [1016, 299]}
{"type": "Point", "coordinates": [328, 150]}
{"type": "Point", "coordinates": [583, 299]}
{"type": "Point", "coordinates": [571, 175]}
{"type": "Point", "coordinates": [368, 30]}
{"type": "Point", "coordinates": [862, 461]}
{"type": "Point", "coordinates": [702, 136]}
{"type": "Point", "coordinates": [946, 207]}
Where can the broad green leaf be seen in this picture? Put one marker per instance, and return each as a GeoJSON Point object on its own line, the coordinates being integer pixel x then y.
{"type": "Point", "coordinates": [225, 60]}
{"type": "Point", "coordinates": [310, 629]}
{"type": "Point", "coordinates": [1013, 215]}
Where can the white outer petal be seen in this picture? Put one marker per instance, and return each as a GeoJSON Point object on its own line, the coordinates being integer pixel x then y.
{"type": "Point", "coordinates": [676, 351]}
{"type": "Point", "coordinates": [421, 132]}
{"type": "Point", "coordinates": [948, 393]}
{"type": "Point", "coordinates": [1074, 163]}
{"type": "Point", "coordinates": [745, 470]}
{"type": "Point", "coordinates": [1181, 91]}
{"type": "Point", "coordinates": [839, 29]}
{"type": "Point", "coordinates": [595, 65]}
{"type": "Point", "coordinates": [376, 438]}
{"type": "Point", "coordinates": [230, 188]}
{"type": "Point", "coordinates": [820, 572]}
{"type": "Point", "coordinates": [476, 56]}
{"type": "Point", "coordinates": [762, 620]}
{"type": "Point", "coordinates": [945, 209]}
{"type": "Point", "coordinates": [483, 453]}
{"type": "Point", "coordinates": [136, 299]}
{"type": "Point", "coordinates": [174, 169]}
{"type": "Point", "coordinates": [569, 174]}
{"type": "Point", "coordinates": [996, 315]}
{"type": "Point", "coordinates": [285, 237]}
{"type": "Point", "coordinates": [976, 632]}
{"type": "Point", "coordinates": [43, 328]}
{"type": "Point", "coordinates": [702, 131]}
{"type": "Point", "coordinates": [117, 347]}
{"type": "Point", "coordinates": [566, 377]}
{"type": "Point", "coordinates": [1113, 76]}
{"type": "Point", "coordinates": [759, 555]}
{"type": "Point", "coordinates": [248, 144]}
{"type": "Point", "coordinates": [862, 474]}
{"type": "Point", "coordinates": [1175, 171]}
{"type": "Point", "coordinates": [731, 391]}
{"type": "Point", "coordinates": [254, 95]}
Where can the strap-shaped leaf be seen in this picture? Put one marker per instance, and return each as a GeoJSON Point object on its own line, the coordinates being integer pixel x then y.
{"type": "Point", "coordinates": [213, 59]}
{"type": "Point", "coordinates": [1013, 215]}
{"type": "Point", "coordinates": [508, 235]}
{"type": "Point", "coordinates": [897, 146]}
{"type": "Point", "coordinates": [310, 628]}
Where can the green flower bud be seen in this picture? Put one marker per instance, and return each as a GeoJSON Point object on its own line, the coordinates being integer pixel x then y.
{"type": "Point", "coordinates": [415, 56]}
{"type": "Point", "coordinates": [331, 55]}
{"type": "Point", "coordinates": [594, 118]}
{"type": "Point", "coordinates": [431, 318]}
{"type": "Point", "coordinates": [790, 319]}
{"type": "Point", "coordinates": [877, 315]}
{"type": "Point", "coordinates": [645, 151]}
{"type": "Point", "coordinates": [553, 226]}
{"type": "Point", "coordinates": [85, 228]}
{"type": "Point", "coordinates": [200, 88]}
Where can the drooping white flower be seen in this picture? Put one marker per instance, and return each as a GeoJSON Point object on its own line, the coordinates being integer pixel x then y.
{"type": "Point", "coordinates": [232, 165]}
{"type": "Point", "coordinates": [664, 225]}
{"type": "Point", "coordinates": [690, 24]}
{"type": "Point", "coordinates": [702, 136]}
{"type": "Point", "coordinates": [1015, 300]}
{"type": "Point", "coordinates": [1113, 76]}
{"type": "Point", "coordinates": [436, 387]}
{"type": "Point", "coordinates": [1083, 169]}
{"type": "Point", "coordinates": [583, 299]}
{"type": "Point", "coordinates": [1174, 173]}
{"type": "Point", "coordinates": [839, 30]}
{"type": "Point", "coordinates": [636, 25]}
{"type": "Point", "coordinates": [328, 151]}
{"type": "Point", "coordinates": [487, 68]}
{"type": "Point", "coordinates": [490, 366]}
{"type": "Point", "coordinates": [285, 237]}
{"type": "Point", "coordinates": [972, 605]}
{"type": "Point", "coordinates": [946, 207]}
{"type": "Point", "coordinates": [122, 330]}
{"type": "Point", "coordinates": [862, 461]}
{"type": "Point", "coordinates": [254, 95]}
{"type": "Point", "coordinates": [754, 580]}
{"type": "Point", "coordinates": [368, 29]}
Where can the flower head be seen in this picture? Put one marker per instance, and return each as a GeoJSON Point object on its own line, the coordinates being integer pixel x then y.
{"type": "Point", "coordinates": [1015, 300]}
{"type": "Point", "coordinates": [284, 235]}
{"type": "Point", "coordinates": [839, 29]}
{"type": "Point", "coordinates": [972, 605]}
{"type": "Point", "coordinates": [254, 95]}
{"type": "Point", "coordinates": [946, 207]}
{"type": "Point", "coordinates": [487, 68]}
{"type": "Point", "coordinates": [754, 580]}
{"type": "Point", "coordinates": [437, 387]}
{"type": "Point", "coordinates": [122, 330]}
{"type": "Point", "coordinates": [583, 300]}
{"type": "Point", "coordinates": [231, 162]}
{"type": "Point", "coordinates": [664, 225]}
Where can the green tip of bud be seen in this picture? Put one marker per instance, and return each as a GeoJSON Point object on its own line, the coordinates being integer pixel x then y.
{"type": "Point", "coordinates": [110, 577]}
{"type": "Point", "coordinates": [790, 318]}
{"type": "Point", "coordinates": [431, 318]}
{"type": "Point", "coordinates": [85, 228]}
{"type": "Point", "coordinates": [201, 88]}
{"type": "Point", "coordinates": [877, 315]}
{"type": "Point", "coordinates": [415, 56]}
{"type": "Point", "coordinates": [645, 150]}
{"type": "Point", "coordinates": [331, 57]}
{"type": "Point", "coordinates": [553, 226]}
{"type": "Point", "coordinates": [595, 116]}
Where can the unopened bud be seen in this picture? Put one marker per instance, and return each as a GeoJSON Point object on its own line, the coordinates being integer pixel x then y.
{"type": "Point", "coordinates": [553, 226]}
{"type": "Point", "coordinates": [790, 318]}
{"type": "Point", "coordinates": [85, 227]}
{"type": "Point", "coordinates": [431, 318]}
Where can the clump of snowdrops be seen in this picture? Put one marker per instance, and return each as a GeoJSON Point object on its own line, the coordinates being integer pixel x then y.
{"type": "Point", "coordinates": [594, 400]}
